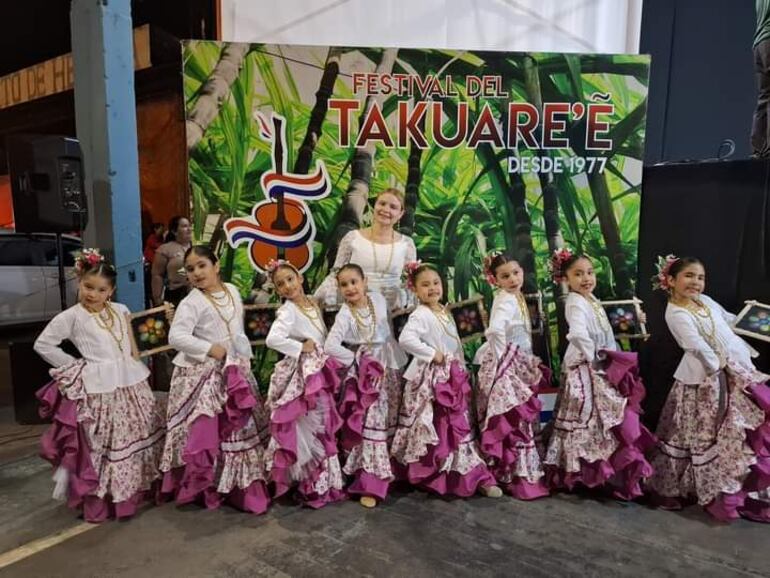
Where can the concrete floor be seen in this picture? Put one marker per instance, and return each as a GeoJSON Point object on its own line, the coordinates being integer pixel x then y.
{"type": "Point", "coordinates": [412, 534]}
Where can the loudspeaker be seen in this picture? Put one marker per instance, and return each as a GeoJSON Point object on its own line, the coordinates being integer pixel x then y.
{"type": "Point", "coordinates": [47, 185]}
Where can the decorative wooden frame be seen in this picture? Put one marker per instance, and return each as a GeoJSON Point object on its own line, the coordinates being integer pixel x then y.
{"type": "Point", "coordinates": [398, 319]}
{"type": "Point", "coordinates": [535, 302]}
{"type": "Point", "coordinates": [135, 321]}
{"type": "Point", "coordinates": [257, 320]}
{"type": "Point", "coordinates": [636, 307]}
{"type": "Point", "coordinates": [471, 313]}
{"type": "Point", "coordinates": [743, 321]}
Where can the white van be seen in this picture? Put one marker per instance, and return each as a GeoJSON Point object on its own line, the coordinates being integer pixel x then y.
{"type": "Point", "coordinates": [29, 276]}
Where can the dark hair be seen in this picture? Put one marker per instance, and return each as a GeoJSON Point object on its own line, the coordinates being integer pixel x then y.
{"type": "Point", "coordinates": [422, 269]}
{"type": "Point", "coordinates": [173, 225]}
{"type": "Point", "coordinates": [350, 267]}
{"type": "Point", "coordinates": [567, 264]}
{"type": "Point", "coordinates": [499, 260]}
{"type": "Point", "coordinates": [285, 265]}
{"type": "Point", "coordinates": [201, 251]}
{"type": "Point", "coordinates": [103, 269]}
{"type": "Point", "coordinates": [678, 265]}
{"type": "Point", "coordinates": [156, 226]}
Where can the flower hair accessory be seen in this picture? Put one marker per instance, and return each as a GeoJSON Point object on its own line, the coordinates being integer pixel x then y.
{"type": "Point", "coordinates": [663, 266]}
{"type": "Point", "coordinates": [86, 259]}
{"type": "Point", "coordinates": [489, 275]}
{"type": "Point", "coordinates": [555, 264]}
{"type": "Point", "coordinates": [273, 265]}
{"type": "Point", "coordinates": [408, 274]}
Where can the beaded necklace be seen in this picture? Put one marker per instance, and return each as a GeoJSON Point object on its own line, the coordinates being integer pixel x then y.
{"type": "Point", "coordinates": [220, 306]}
{"type": "Point", "coordinates": [446, 321]}
{"type": "Point", "coordinates": [313, 314]}
{"type": "Point", "coordinates": [599, 313]}
{"type": "Point", "coordinates": [700, 313]}
{"type": "Point", "coordinates": [390, 252]}
{"type": "Point", "coordinates": [524, 311]}
{"type": "Point", "coordinates": [108, 323]}
{"type": "Point", "coordinates": [360, 319]}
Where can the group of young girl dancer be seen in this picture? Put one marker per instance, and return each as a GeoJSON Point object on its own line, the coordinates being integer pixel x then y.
{"type": "Point", "coordinates": [347, 413]}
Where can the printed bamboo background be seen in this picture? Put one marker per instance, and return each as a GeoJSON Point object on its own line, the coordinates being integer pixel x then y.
{"type": "Point", "coordinates": [461, 203]}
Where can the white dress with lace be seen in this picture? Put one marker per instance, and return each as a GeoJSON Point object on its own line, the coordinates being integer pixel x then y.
{"type": "Point", "coordinates": [382, 265]}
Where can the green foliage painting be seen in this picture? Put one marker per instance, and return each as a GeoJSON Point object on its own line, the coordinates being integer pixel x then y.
{"type": "Point", "coordinates": [548, 153]}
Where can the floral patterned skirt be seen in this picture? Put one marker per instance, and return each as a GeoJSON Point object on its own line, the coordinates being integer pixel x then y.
{"type": "Point", "coordinates": [217, 433]}
{"type": "Point", "coordinates": [303, 426]}
{"type": "Point", "coordinates": [597, 438]}
{"type": "Point", "coordinates": [365, 410]}
{"type": "Point", "coordinates": [714, 446]}
{"type": "Point", "coordinates": [106, 446]}
{"type": "Point", "coordinates": [509, 417]}
{"type": "Point", "coordinates": [434, 447]}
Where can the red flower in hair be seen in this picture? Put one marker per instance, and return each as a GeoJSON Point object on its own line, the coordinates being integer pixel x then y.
{"type": "Point", "coordinates": [86, 259]}
{"type": "Point", "coordinates": [663, 266]}
{"type": "Point", "coordinates": [559, 257]}
{"type": "Point", "coordinates": [489, 275]}
{"type": "Point", "coordinates": [408, 273]}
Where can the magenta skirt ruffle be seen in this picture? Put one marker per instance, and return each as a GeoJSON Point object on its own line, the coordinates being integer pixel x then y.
{"type": "Point", "coordinates": [728, 507]}
{"type": "Point", "coordinates": [360, 393]}
{"type": "Point", "coordinates": [505, 433]}
{"type": "Point", "coordinates": [65, 445]}
{"type": "Point", "coordinates": [319, 389]}
{"type": "Point", "coordinates": [196, 480]}
{"type": "Point", "coordinates": [450, 410]}
{"type": "Point", "coordinates": [624, 471]}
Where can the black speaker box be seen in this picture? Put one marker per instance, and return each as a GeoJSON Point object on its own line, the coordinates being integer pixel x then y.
{"type": "Point", "coordinates": [47, 184]}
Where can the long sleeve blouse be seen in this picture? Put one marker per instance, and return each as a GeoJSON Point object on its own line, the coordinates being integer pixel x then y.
{"type": "Point", "coordinates": [346, 330]}
{"type": "Point", "coordinates": [291, 328]}
{"type": "Point", "coordinates": [704, 340]}
{"type": "Point", "coordinates": [109, 362]}
{"type": "Point", "coordinates": [507, 324]}
{"type": "Point", "coordinates": [589, 330]}
{"type": "Point", "coordinates": [382, 264]}
{"type": "Point", "coordinates": [423, 335]}
{"type": "Point", "coordinates": [198, 324]}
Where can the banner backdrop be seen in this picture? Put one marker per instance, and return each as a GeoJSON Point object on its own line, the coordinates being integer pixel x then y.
{"type": "Point", "coordinates": [522, 152]}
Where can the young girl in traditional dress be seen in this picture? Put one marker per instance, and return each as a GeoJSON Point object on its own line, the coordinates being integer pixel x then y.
{"type": "Point", "coordinates": [435, 447]}
{"type": "Point", "coordinates": [372, 385]}
{"type": "Point", "coordinates": [107, 432]}
{"type": "Point", "coordinates": [217, 424]}
{"type": "Point", "coordinates": [714, 431]}
{"type": "Point", "coordinates": [303, 418]}
{"type": "Point", "coordinates": [597, 439]}
{"type": "Point", "coordinates": [509, 379]}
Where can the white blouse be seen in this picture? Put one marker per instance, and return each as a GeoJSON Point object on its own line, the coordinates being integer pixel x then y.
{"type": "Point", "coordinates": [507, 324]}
{"type": "Point", "coordinates": [700, 358]}
{"type": "Point", "coordinates": [589, 330]}
{"type": "Point", "coordinates": [347, 330]}
{"type": "Point", "coordinates": [107, 367]}
{"type": "Point", "coordinates": [198, 325]}
{"type": "Point", "coordinates": [423, 335]}
{"type": "Point", "coordinates": [355, 248]}
{"type": "Point", "coordinates": [292, 327]}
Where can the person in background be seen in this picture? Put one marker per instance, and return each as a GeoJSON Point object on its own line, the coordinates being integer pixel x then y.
{"type": "Point", "coordinates": [169, 282]}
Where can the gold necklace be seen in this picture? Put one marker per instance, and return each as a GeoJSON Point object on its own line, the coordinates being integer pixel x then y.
{"type": "Point", "coordinates": [700, 313]}
{"type": "Point", "coordinates": [446, 321]}
{"type": "Point", "coordinates": [313, 314]}
{"type": "Point", "coordinates": [524, 311]}
{"type": "Point", "coordinates": [599, 313]}
{"type": "Point", "coordinates": [359, 319]}
{"type": "Point", "coordinates": [108, 323]}
{"type": "Point", "coordinates": [390, 253]}
{"type": "Point", "coordinates": [218, 307]}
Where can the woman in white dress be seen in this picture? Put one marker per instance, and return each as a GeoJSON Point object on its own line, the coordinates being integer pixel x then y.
{"type": "Point", "coordinates": [379, 250]}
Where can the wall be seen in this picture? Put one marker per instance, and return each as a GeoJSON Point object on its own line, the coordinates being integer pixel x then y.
{"type": "Point", "coordinates": [702, 82]}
